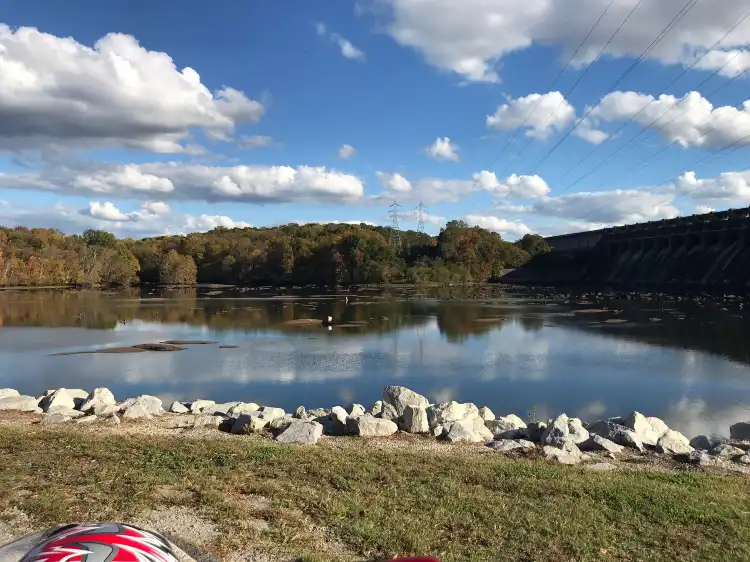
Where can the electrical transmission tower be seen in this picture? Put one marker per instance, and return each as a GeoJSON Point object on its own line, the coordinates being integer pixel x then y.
{"type": "Point", "coordinates": [395, 239]}
{"type": "Point", "coordinates": [421, 212]}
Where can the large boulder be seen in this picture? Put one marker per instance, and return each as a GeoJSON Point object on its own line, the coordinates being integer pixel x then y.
{"type": "Point", "coordinates": [339, 414]}
{"type": "Point", "coordinates": [55, 419]}
{"type": "Point", "coordinates": [726, 451]}
{"type": "Point", "coordinates": [370, 426]}
{"type": "Point", "coordinates": [206, 420]}
{"type": "Point", "coordinates": [701, 458]}
{"type": "Point", "coordinates": [599, 443]}
{"type": "Point", "coordinates": [356, 410]}
{"type": "Point", "coordinates": [269, 413]}
{"type": "Point", "coordinates": [243, 408]}
{"type": "Point", "coordinates": [57, 398]}
{"type": "Point", "coordinates": [673, 443]}
{"type": "Point", "coordinates": [705, 442]}
{"type": "Point", "coordinates": [533, 431]}
{"type": "Point", "coordinates": [388, 412]}
{"type": "Point", "coordinates": [740, 431]}
{"type": "Point", "coordinates": [414, 420]}
{"type": "Point", "coordinates": [197, 406]}
{"type": "Point", "coordinates": [446, 413]}
{"type": "Point", "coordinates": [99, 399]}
{"type": "Point", "coordinates": [65, 412]}
{"type": "Point", "coordinates": [556, 434]}
{"type": "Point", "coordinates": [179, 408]}
{"type": "Point", "coordinates": [486, 414]}
{"type": "Point", "coordinates": [620, 434]}
{"type": "Point", "coordinates": [400, 397]}
{"type": "Point", "coordinates": [21, 402]}
{"type": "Point", "coordinates": [376, 408]}
{"type": "Point", "coordinates": [649, 429]}
{"type": "Point", "coordinates": [301, 432]}
{"type": "Point", "coordinates": [459, 433]}
{"type": "Point", "coordinates": [150, 404]}
{"type": "Point", "coordinates": [283, 422]}
{"type": "Point", "coordinates": [136, 411]}
{"type": "Point", "coordinates": [562, 456]}
{"type": "Point", "coordinates": [8, 392]}
{"type": "Point", "coordinates": [505, 445]}
{"type": "Point", "coordinates": [249, 423]}
{"type": "Point", "coordinates": [506, 427]}
{"type": "Point", "coordinates": [576, 432]}
{"type": "Point", "coordinates": [220, 409]}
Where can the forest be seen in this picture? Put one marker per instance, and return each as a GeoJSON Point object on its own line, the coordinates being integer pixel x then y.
{"type": "Point", "coordinates": [319, 254]}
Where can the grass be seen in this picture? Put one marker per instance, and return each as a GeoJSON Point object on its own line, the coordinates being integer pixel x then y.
{"type": "Point", "coordinates": [365, 503]}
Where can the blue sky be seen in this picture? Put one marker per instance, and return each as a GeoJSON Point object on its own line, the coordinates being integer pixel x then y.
{"type": "Point", "coordinates": [101, 125]}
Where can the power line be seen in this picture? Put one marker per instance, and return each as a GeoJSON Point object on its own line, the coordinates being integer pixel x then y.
{"type": "Point", "coordinates": [395, 239]}
{"type": "Point", "coordinates": [675, 20]}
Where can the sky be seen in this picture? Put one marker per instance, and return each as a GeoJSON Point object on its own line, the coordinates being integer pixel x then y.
{"type": "Point", "coordinates": [552, 116]}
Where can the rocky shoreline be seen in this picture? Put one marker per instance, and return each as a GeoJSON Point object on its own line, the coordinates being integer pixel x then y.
{"type": "Point", "coordinates": [562, 439]}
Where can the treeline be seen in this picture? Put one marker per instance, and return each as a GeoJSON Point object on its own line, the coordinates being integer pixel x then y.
{"type": "Point", "coordinates": [322, 254]}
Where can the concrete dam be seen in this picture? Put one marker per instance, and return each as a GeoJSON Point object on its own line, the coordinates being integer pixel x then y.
{"type": "Point", "coordinates": [709, 251]}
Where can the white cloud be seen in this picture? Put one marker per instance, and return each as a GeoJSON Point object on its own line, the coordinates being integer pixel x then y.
{"type": "Point", "coordinates": [608, 208]}
{"type": "Point", "coordinates": [348, 50]}
{"type": "Point", "coordinates": [514, 186]}
{"type": "Point", "coordinates": [57, 92]}
{"type": "Point", "coordinates": [320, 28]}
{"type": "Point", "coordinates": [180, 181]}
{"type": "Point", "coordinates": [105, 211]}
{"type": "Point", "coordinates": [506, 229]}
{"type": "Point", "coordinates": [692, 119]}
{"type": "Point", "coordinates": [150, 210]}
{"type": "Point", "coordinates": [704, 209]}
{"type": "Point", "coordinates": [443, 149]}
{"type": "Point", "coordinates": [729, 189]}
{"type": "Point", "coordinates": [347, 151]}
{"type": "Point", "coordinates": [255, 141]}
{"type": "Point", "coordinates": [394, 182]}
{"type": "Point", "coordinates": [541, 114]}
{"type": "Point", "coordinates": [470, 37]}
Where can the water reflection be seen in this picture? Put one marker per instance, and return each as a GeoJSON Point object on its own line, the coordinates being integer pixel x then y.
{"type": "Point", "coordinates": [691, 367]}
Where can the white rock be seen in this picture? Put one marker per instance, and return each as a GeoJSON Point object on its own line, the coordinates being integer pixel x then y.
{"type": "Point", "coordinates": [400, 397]}
{"type": "Point", "coordinates": [268, 413]}
{"type": "Point", "coordinates": [206, 420]}
{"type": "Point", "coordinates": [65, 412]}
{"type": "Point", "coordinates": [283, 423]}
{"type": "Point", "coordinates": [744, 459]}
{"type": "Point", "coordinates": [21, 402]}
{"type": "Point", "coordinates": [673, 443]}
{"type": "Point", "coordinates": [388, 412]}
{"type": "Point", "coordinates": [475, 425]}
{"type": "Point", "coordinates": [701, 458]}
{"type": "Point", "coordinates": [437, 431]}
{"type": "Point", "coordinates": [55, 418]}
{"type": "Point", "coordinates": [220, 409]}
{"type": "Point", "coordinates": [726, 451]}
{"type": "Point", "coordinates": [376, 408]}
{"type": "Point", "coordinates": [576, 432]}
{"type": "Point", "coordinates": [599, 443]}
{"type": "Point", "coordinates": [560, 455]}
{"type": "Point", "coordinates": [197, 406]}
{"type": "Point", "coordinates": [356, 410]}
{"type": "Point", "coordinates": [740, 431]}
{"type": "Point", "coordinates": [414, 420]}
{"type": "Point", "coordinates": [648, 429]}
{"type": "Point", "coordinates": [505, 445]}
{"type": "Point", "coordinates": [105, 410]}
{"type": "Point", "coordinates": [486, 414]}
{"type": "Point", "coordinates": [301, 414]}
{"type": "Point", "coordinates": [244, 408]}
{"type": "Point", "coordinates": [8, 392]}
{"type": "Point", "coordinates": [57, 398]}
{"type": "Point", "coordinates": [179, 408]}
{"type": "Point", "coordinates": [87, 419]}
{"type": "Point", "coordinates": [301, 432]}
{"type": "Point", "coordinates": [446, 413]}
{"type": "Point", "coordinates": [136, 411]}
{"type": "Point", "coordinates": [338, 414]}
{"type": "Point", "coordinates": [249, 423]}
{"type": "Point", "coordinates": [98, 399]}
{"type": "Point", "coordinates": [557, 432]}
{"type": "Point", "coordinates": [113, 419]}
{"type": "Point", "coordinates": [506, 427]}
{"type": "Point", "coordinates": [619, 434]}
{"type": "Point", "coordinates": [370, 426]}
{"type": "Point", "coordinates": [460, 434]}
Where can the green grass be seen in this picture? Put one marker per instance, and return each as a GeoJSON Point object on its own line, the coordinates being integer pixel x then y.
{"type": "Point", "coordinates": [378, 503]}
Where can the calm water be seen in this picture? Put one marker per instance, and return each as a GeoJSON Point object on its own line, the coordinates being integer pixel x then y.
{"type": "Point", "coordinates": [692, 368]}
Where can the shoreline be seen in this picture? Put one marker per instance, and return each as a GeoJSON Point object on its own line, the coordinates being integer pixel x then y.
{"type": "Point", "coordinates": [401, 415]}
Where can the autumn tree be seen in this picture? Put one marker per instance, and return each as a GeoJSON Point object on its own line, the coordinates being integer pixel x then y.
{"type": "Point", "coordinates": [176, 269]}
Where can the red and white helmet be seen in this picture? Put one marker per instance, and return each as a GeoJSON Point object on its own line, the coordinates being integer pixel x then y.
{"type": "Point", "coordinates": [101, 542]}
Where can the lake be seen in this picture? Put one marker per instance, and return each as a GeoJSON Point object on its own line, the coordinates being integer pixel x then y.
{"type": "Point", "coordinates": [686, 363]}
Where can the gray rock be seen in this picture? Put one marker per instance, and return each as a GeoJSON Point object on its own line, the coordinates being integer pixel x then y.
{"type": "Point", "coordinates": [136, 411]}
{"type": "Point", "coordinates": [113, 419]}
{"type": "Point", "coordinates": [400, 397]}
{"type": "Point", "coordinates": [744, 459]}
{"type": "Point", "coordinates": [414, 420]}
{"type": "Point", "coordinates": [300, 413]}
{"type": "Point", "coordinates": [557, 432]}
{"type": "Point", "coordinates": [370, 426]}
{"type": "Point", "coordinates": [437, 431]}
{"type": "Point", "coordinates": [446, 413]}
{"type": "Point", "coordinates": [65, 412]}
{"type": "Point", "coordinates": [673, 443]}
{"type": "Point", "coordinates": [197, 406]}
{"type": "Point", "coordinates": [486, 414]}
{"type": "Point", "coordinates": [726, 451]}
{"type": "Point", "coordinates": [105, 410]}
{"type": "Point", "coordinates": [49, 419]}
{"type": "Point", "coordinates": [506, 427]}
{"type": "Point", "coordinates": [178, 408]}
{"type": "Point", "coordinates": [356, 410]}
{"type": "Point", "coordinates": [505, 445]}
{"type": "Point", "coordinates": [98, 399]}
{"type": "Point", "coordinates": [206, 420]}
{"type": "Point", "coordinates": [303, 433]}
{"type": "Point", "coordinates": [220, 409]}
{"type": "Point", "coordinates": [475, 424]}
{"type": "Point", "coordinates": [648, 429]}
{"type": "Point", "coordinates": [243, 408]}
{"type": "Point", "coordinates": [599, 443]}
{"type": "Point", "coordinates": [705, 442]}
{"type": "Point", "coordinates": [283, 422]}
{"type": "Point", "coordinates": [619, 434]}
{"type": "Point", "coordinates": [87, 419]}
{"type": "Point", "coordinates": [458, 434]}
{"type": "Point", "coordinates": [560, 455]}
{"type": "Point", "coordinates": [534, 431]}
{"type": "Point", "coordinates": [318, 412]}
{"type": "Point", "coordinates": [57, 398]}
{"type": "Point", "coordinates": [21, 402]}
{"type": "Point", "coordinates": [249, 423]}
{"type": "Point", "coordinates": [576, 432]}
{"type": "Point", "coordinates": [740, 431]}
{"type": "Point", "coordinates": [150, 404]}
{"type": "Point", "coordinates": [600, 466]}
{"type": "Point", "coordinates": [8, 393]}
{"type": "Point", "coordinates": [701, 458]}
{"type": "Point", "coordinates": [269, 413]}
{"type": "Point", "coordinates": [388, 412]}
{"type": "Point", "coordinates": [376, 408]}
